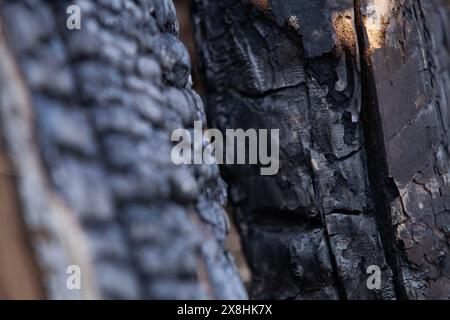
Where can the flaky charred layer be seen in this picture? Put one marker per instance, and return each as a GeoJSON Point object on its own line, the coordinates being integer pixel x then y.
{"type": "Point", "coordinates": [88, 124]}
{"type": "Point", "coordinates": [412, 90]}
{"type": "Point", "coordinates": [294, 66]}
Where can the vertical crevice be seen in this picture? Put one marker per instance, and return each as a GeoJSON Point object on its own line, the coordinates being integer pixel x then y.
{"type": "Point", "coordinates": [334, 265]}
{"type": "Point", "coordinates": [337, 279]}
{"type": "Point", "coordinates": [382, 185]}
{"type": "Point", "coordinates": [233, 244]}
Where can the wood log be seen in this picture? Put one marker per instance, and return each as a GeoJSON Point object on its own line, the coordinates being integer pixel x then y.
{"type": "Point", "coordinates": [359, 91]}
{"type": "Point", "coordinates": [87, 117]}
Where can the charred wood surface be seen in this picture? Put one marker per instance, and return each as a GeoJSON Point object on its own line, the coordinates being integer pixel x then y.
{"type": "Point", "coordinates": [359, 91]}
{"type": "Point", "coordinates": [87, 118]}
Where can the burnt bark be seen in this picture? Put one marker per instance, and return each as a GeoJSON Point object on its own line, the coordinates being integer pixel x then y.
{"type": "Point", "coordinates": [411, 95]}
{"type": "Point", "coordinates": [359, 91]}
{"type": "Point", "coordinates": [87, 117]}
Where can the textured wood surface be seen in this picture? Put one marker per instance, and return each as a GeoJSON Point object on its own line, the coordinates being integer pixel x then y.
{"type": "Point", "coordinates": [347, 83]}
{"type": "Point", "coordinates": [359, 90]}
{"type": "Point", "coordinates": [408, 57]}
{"type": "Point", "coordinates": [90, 131]}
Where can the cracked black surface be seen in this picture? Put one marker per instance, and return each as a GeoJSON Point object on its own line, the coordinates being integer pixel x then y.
{"type": "Point", "coordinates": [344, 110]}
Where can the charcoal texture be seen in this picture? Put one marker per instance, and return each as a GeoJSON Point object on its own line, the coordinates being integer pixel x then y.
{"type": "Point", "coordinates": [104, 101]}
{"type": "Point", "coordinates": [362, 113]}
{"type": "Point", "coordinates": [411, 91]}
{"type": "Point", "coordinates": [359, 90]}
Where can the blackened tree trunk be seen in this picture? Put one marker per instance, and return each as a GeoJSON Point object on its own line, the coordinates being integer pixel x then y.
{"type": "Point", "coordinates": [86, 119]}
{"type": "Point", "coordinates": [360, 92]}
